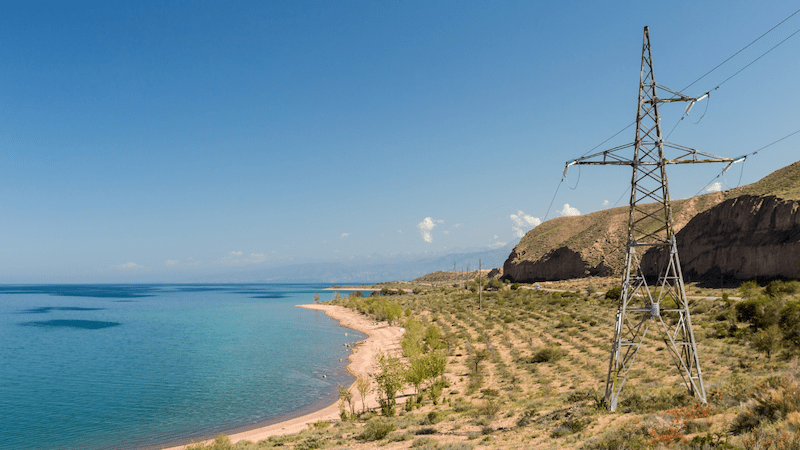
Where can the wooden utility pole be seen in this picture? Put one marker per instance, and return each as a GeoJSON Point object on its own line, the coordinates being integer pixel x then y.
{"type": "Point", "coordinates": [480, 286]}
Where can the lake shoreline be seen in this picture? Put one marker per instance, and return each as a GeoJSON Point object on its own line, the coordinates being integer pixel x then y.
{"type": "Point", "coordinates": [381, 338]}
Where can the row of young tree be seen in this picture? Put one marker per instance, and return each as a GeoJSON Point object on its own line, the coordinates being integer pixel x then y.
{"type": "Point", "coordinates": [421, 365]}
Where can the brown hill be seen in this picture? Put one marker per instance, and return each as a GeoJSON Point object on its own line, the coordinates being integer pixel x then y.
{"type": "Point", "coordinates": [753, 235]}
{"type": "Point", "coordinates": [594, 244]}
{"type": "Point", "coordinates": [451, 276]}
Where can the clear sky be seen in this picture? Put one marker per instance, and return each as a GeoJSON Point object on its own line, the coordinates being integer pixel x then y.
{"type": "Point", "coordinates": [192, 137]}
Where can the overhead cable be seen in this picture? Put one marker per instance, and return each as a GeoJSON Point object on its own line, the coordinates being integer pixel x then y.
{"type": "Point", "coordinates": [743, 49]}
{"type": "Point", "coordinates": [742, 159]}
{"type": "Point", "coordinates": [753, 61]}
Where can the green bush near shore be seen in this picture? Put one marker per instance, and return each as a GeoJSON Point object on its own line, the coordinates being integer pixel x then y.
{"type": "Point", "coordinates": [527, 368]}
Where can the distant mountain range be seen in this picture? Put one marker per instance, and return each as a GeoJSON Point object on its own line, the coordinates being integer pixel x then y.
{"type": "Point", "coordinates": [371, 269]}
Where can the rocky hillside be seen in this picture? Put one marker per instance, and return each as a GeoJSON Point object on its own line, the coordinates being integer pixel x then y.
{"type": "Point", "coordinates": [753, 235]}
{"type": "Point", "coordinates": [710, 239]}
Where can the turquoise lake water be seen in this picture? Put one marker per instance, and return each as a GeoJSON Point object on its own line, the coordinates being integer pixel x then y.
{"type": "Point", "coordinates": [136, 366]}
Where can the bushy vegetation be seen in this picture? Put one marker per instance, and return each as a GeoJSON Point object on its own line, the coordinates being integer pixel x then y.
{"type": "Point", "coordinates": [528, 370]}
{"type": "Point", "coordinates": [376, 306]}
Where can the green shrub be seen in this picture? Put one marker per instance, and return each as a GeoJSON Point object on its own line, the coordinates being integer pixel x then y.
{"type": "Point", "coordinates": [779, 288]}
{"type": "Point", "coordinates": [376, 429]}
{"type": "Point", "coordinates": [321, 424]}
{"type": "Point", "coordinates": [547, 354]}
{"type": "Point", "coordinates": [627, 437]}
{"type": "Point", "coordinates": [614, 293]}
{"type": "Point", "coordinates": [749, 288]}
{"type": "Point", "coordinates": [456, 446]}
{"type": "Point", "coordinates": [433, 417]}
{"type": "Point", "coordinates": [773, 400]}
{"type": "Point", "coordinates": [759, 311]}
{"type": "Point", "coordinates": [398, 437]}
{"type": "Point", "coordinates": [790, 322]}
{"type": "Point", "coordinates": [570, 425]}
{"type": "Point", "coordinates": [310, 443]}
{"type": "Point", "coordinates": [425, 442]}
{"type": "Point", "coordinates": [528, 414]}
{"type": "Point", "coordinates": [637, 402]}
{"type": "Point", "coordinates": [583, 395]}
{"type": "Point", "coordinates": [222, 442]}
{"type": "Point", "coordinates": [489, 408]}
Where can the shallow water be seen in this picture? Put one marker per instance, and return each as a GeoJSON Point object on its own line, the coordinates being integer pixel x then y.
{"type": "Point", "coordinates": [130, 366]}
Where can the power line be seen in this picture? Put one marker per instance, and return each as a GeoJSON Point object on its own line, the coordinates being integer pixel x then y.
{"type": "Point", "coordinates": [743, 49]}
{"type": "Point", "coordinates": [771, 144]}
{"type": "Point", "coordinates": [753, 61]}
{"type": "Point", "coordinates": [706, 109]}
{"type": "Point", "coordinates": [612, 137]}
{"type": "Point", "coordinates": [743, 158]}
{"type": "Point", "coordinates": [737, 73]}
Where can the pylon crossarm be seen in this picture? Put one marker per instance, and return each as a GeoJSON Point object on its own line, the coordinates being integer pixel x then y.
{"type": "Point", "coordinates": [679, 97]}
{"type": "Point", "coordinates": [610, 158]}
{"type": "Point", "coordinates": [696, 156]}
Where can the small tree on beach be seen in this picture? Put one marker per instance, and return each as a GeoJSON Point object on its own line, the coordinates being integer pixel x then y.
{"type": "Point", "coordinates": [347, 397]}
{"type": "Point", "coordinates": [316, 298]}
{"type": "Point", "coordinates": [363, 386]}
{"type": "Point", "coordinates": [390, 379]}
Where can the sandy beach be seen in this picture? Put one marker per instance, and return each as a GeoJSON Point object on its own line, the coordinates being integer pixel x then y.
{"type": "Point", "coordinates": [381, 337]}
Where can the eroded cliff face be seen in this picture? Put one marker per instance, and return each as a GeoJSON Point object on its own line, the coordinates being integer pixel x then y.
{"type": "Point", "coordinates": [744, 233]}
{"type": "Point", "coordinates": [587, 245]}
{"type": "Point", "coordinates": [559, 264]}
{"type": "Point", "coordinates": [742, 238]}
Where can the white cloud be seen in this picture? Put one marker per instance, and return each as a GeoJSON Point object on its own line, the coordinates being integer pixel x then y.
{"type": "Point", "coordinates": [498, 244]}
{"type": "Point", "coordinates": [523, 223]}
{"type": "Point", "coordinates": [606, 202]}
{"type": "Point", "coordinates": [569, 211]}
{"type": "Point", "coordinates": [344, 235]}
{"type": "Point", "coordinates": [715, 187]}
{"type": "Point", "coordinates": [426, 226]}
{"type": "Point", "coordinates": [446, 231]}
{"type": "Point", "coordinates": [172, 262]}
{"type": "Point", "coordinates": [129, 266]}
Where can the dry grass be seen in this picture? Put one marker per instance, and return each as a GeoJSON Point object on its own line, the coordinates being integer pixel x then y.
{"type": "Point", "coordinates": [541, 382]}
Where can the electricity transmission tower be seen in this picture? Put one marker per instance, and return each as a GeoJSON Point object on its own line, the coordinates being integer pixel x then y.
{"type": "Point", "coordinates": [641, 305]}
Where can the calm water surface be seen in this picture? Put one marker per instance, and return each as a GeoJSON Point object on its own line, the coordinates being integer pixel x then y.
{"type": "Point", "coordinates": [131, 366]}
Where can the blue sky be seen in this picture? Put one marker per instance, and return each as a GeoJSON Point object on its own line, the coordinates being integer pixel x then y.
{"type": "Point", "coordinates": [158, 138]}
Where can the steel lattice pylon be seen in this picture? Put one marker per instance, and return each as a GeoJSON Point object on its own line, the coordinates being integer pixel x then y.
{"type": "Point", "coordinates": [650, 225]}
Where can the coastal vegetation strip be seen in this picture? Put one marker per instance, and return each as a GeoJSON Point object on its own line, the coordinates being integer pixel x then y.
{"type": "Point", "coordinates": [526, 369]}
